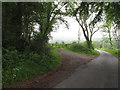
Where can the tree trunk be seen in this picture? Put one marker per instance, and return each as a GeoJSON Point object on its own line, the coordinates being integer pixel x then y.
{"type": "Point", "coordinates": [89, 44]}
{"type": "Point", "coordinates": [18, 23]}
{"type": "Point", "coordinates": [110, 39]}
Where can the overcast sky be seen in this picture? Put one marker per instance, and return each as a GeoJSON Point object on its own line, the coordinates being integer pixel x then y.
{"type": "Point", "coordinates": [71, 34]}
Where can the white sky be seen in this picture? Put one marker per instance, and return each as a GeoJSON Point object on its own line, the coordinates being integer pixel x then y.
{"type": "Point", "coordinates": [71, 34]}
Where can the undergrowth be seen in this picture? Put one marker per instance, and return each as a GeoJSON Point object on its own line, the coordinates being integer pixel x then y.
{"type": "Point", "coordinates": [18, 66]}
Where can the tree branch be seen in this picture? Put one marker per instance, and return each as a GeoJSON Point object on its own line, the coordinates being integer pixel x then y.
{"type": "Point", "coordinates": [95, 31]}
{"type": "Point", "coordinates": [82, 28]}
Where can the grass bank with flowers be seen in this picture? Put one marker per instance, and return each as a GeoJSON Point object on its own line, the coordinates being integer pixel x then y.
{"type": "Point", "coordinates": [18, 66]}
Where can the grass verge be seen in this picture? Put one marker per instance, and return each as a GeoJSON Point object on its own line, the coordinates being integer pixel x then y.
{"type": "Point", "coordinates": [82, 49]}
{"type": "Point", "coordinates": [92, 52]}
{"type": "Point", "coordinates": [115, 52]}
{"type": "Point", "coordinates": [17, 66]}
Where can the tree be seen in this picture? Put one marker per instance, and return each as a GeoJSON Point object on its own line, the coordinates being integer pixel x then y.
{"type": "Point", "coordinates": [8, 25]}
{"type": "Point", "coordinates": [51, 13]}
{"type": "Point", "coordinates": [79, 34]}
{"type": "Point", "coordinates": [19, 30]}
{"type": "Point", "coordinates": [18, 24]}
{"type": "Point", "coordinates": [107, 29]}
{"type": "Point", "coordinates": [88, 14]}
{"type": "Point", "coordinates": [112, 11]}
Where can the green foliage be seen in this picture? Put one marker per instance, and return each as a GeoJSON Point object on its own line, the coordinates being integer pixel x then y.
{"type": "Point", "coordinates": [107, 29]}
{"type": "Point", "coordinates": [59, 45]}
{"type": "Point", "coordinates": [18, 66]}
{"type": "Point", "coordinates": [19, 29]}
{"type": "Point", "coordinates": [92, 12]}
{"type": "Point", "coordinates": [26, 52]}
{"type": "Point", "coordinates": [105, 44]}
{"type": "Point", "coordinates": [112, 11]}
{"type": "Point", "coordinates": [84, 44]}
{"type": "Point", "coordinates": [10, 58]}
{"type": "Point", "coordinates": [97, 44]}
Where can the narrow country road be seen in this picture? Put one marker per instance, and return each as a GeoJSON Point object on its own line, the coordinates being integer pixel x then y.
{"type": "Point", "coordinates": [78, 71]}
{"type": "Point", "coordinates": [101, 72]}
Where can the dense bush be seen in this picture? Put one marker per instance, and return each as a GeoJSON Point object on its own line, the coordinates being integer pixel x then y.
{"type": "Point", "coordinates": [18, 66]}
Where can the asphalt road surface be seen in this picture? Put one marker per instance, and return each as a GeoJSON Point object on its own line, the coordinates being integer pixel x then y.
{"type": "Point", "coordinates": [101, 72]}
